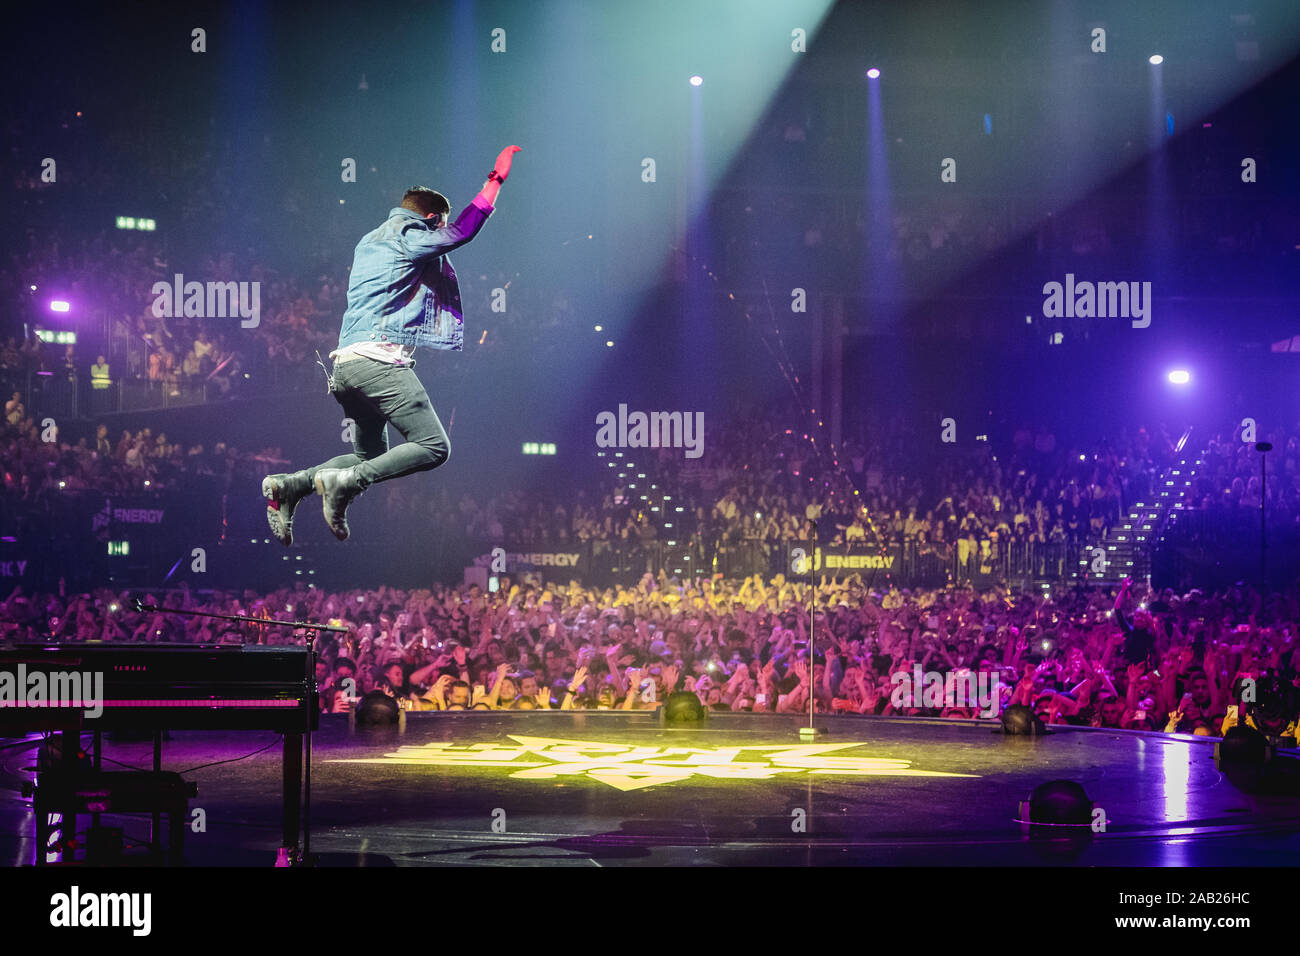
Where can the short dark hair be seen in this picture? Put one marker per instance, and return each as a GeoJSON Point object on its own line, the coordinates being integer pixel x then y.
{"type": "Point", "coordinates": [424, 200]}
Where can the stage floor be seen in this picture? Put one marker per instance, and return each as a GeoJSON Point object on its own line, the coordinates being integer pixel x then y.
{"type": "Point", "coordinates": [607, 788]}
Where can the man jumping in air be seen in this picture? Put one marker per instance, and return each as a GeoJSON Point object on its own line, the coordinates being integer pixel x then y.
{"type": "Point", "coordinates": [402, 295]}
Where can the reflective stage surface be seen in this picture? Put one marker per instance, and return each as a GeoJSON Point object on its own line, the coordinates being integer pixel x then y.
{"type": "Point", "coordinates": [606, 788]}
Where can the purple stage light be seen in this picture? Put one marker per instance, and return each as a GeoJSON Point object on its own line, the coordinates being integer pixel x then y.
{"type": "Point", "coordinates": [873, 74]}
{"type": "Point", "coordinates": [58, 305]}
{"type": "Point", "coordinates": [1180, 376]}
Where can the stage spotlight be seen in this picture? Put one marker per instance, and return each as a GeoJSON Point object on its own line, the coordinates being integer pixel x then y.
{"type": "Point", "coordinates": [1155, 59]}
{"type": "Point", "coordinates": [1020, 721]}
{"type": "Point", "coordinates": [1180, 376]}
{"type": "Point", "coordinates": [683, 709]}
{"type": "Point", "coordinates": [377, 709]}
{"type": "Point", "coordinates": [697, 80]}
{"type": "Point", "coordinates": [1243, 746]}
{"type": "Point", "coordinates": [1276, 702]}
{"type": "Point", "coordinates": [873, 74]}
{"type": "Point", "coordinates": [58, 305]}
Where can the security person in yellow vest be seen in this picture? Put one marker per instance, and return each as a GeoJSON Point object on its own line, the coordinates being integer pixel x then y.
{"type": "Point", "coordinates": [100, 384]}
{"type": "Point", "coordinates": [99, 377]}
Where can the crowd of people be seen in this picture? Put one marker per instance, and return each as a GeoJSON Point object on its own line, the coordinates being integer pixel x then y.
{"type": "Point", "coordinates": [170, 360]}
{"type": "Point", "coordinates": [109, 281]}
{"type": "Point", "coordinates": [1136, 659]}
{"type": "Point", "coordinates": [757, 489]}
{"type": "Point", "coordinates": [1229, 478]}
{"type": "Point", "coordinates": [1035, 491]}
{"type": "Point", "coordinates": [41, 470]}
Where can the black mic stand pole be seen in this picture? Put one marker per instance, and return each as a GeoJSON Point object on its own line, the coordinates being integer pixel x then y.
{"type": "Point", "coordinates": [809, 732]}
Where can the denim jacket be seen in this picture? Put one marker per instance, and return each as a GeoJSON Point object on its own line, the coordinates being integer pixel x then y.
{"type": "Point", "coordinates": [403, 288]}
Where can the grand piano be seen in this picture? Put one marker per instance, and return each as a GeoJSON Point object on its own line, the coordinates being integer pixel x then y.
{"type": "Point", "coordinates": [158, 687]}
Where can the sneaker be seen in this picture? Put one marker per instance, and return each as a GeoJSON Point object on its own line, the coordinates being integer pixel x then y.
{"type": "Point", "coordinates": [337, 488]}
{"type": "Point", "coordinates": [282, 494]}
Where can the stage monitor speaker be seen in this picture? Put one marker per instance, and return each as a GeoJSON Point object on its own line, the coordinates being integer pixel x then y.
{"type": "Point", "coordinates": [377, 709]}
{"type": "Point", "coordinates": [1021, 721]}
{"type": "Point", "coordinates": [1060, 801]}
{"type": "Point", "coordinates": [683, 709]}
{"type": "Point", "coordinates": [1243, 747]}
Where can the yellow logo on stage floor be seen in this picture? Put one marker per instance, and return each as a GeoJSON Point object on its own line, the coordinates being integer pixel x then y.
{"type": "Point", "coordinates": [630, 767]}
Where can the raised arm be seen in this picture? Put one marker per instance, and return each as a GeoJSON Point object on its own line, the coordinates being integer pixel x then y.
{"type": "Point", "coordinates": [421, 675]}
{"type": "Point", "coordinates": [430, 243]}
{"type": "Point", "coordinates": [1120, 598]}
{"type": "Point", "coordinates": [572, 688]}
{"type": "Point", "coordinates": [494, 694]}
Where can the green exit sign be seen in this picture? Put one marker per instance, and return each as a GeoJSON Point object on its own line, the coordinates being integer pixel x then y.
{"type": "Point", "coordinates": [135, 222]}
{"type": "Point", "coordinates": [119, 547]}
{"type": "Point", "coordinates": [57, 337]}
{"type": "Point", "coordinates": [539, 448]}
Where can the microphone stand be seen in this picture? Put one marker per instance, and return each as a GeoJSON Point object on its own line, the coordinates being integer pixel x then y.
{"type": "Point", "coordinates": [313, 705]}
{"type": "Point", "coordinates": [809, 731]}
{"type": "Point", "coordinates": [243, 618]}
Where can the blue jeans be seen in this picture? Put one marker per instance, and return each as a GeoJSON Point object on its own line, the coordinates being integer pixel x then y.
{"type": "Point", "coordinates": [374, 395]}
